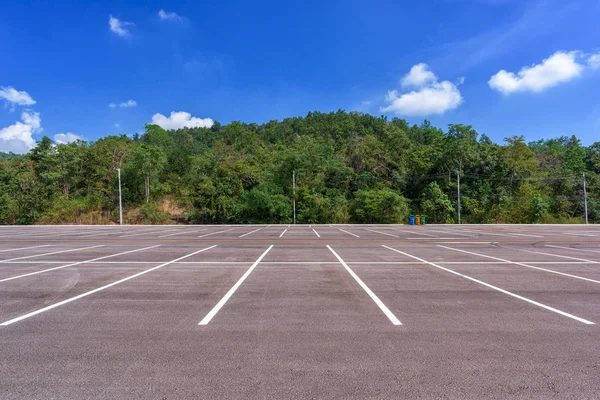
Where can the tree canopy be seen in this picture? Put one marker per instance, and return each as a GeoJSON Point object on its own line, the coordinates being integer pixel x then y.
{"type": "Point", "coordinates": [350, 167]}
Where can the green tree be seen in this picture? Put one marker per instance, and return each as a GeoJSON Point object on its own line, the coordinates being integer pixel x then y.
{"type": "Point", "coordinates": [436, 205]}
{"type": "Point", "coordinates": [379, 206]}
{"type": "Point", "coordinates": [147, 160]}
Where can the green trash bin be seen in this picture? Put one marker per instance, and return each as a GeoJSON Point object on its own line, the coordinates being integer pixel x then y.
{"type": "Point", "coordinates": [422, 219]}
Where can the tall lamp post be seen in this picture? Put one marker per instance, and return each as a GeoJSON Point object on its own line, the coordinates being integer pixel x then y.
{"type": "Point", "coordinates": [294, 192]}
{"type": "Point", "coordinates": [120, 201]}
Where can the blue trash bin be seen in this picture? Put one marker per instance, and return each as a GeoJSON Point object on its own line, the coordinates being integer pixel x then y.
{"type": "Point", "coordinates": [411, 220]}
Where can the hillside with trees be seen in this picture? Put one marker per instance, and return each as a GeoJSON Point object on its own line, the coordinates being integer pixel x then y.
{"type": "Point", "coordinates": [350, 168]}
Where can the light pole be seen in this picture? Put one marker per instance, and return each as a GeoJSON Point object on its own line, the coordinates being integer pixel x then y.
{"type": "Point", "coordinates": [294, 192]}
{"type": "Point", "coordinates": [585, 199]}
{"type": "Point", "coordinates": [458, 179]}
{"type": "Point", "coordinates": [120, 202]}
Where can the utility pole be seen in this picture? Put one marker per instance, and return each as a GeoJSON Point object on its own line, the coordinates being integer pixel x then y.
{"type": "Point", "coordinates": [294, 191]}
{"type": "Point", "coordinates": [585, 199]}
{"type": "Point", "coordinates": [458, 181]}
{"type": "Point", "coordinates": [120, 202]}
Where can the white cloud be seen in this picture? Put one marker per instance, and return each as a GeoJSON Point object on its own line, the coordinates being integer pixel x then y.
{"type": "Point", "coordinates": [594, 61]}
{"type": "Point", "coordinates": [181, 119]}
{"type": "Point", "coordinates": [117, 26]}
{"type": "Point", "coordinates": [558, 68]}
{"type": "Point", "coordinates": [117, 125]}
{"type": "Point", "coordinates": [15, 97]}
{"type": "Point", "coordinates": [431, 97]}
{"type": "Point", "coordinates": [125, 104]}
{"type": "Point", "coordinates": [418, 76]}
{"type": "Point", "coordinates": [169, 16]}
{"type": "Point", "coordinates": [64, 138]}
{"type": "Point", "coordinates": [17, 138]}
{"type": "Point", "coordinates": [128, 103]}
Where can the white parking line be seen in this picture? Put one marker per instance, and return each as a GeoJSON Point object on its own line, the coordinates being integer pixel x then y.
{"type": "Point", "coordinates": [231, 291]}
{"type": "Point", "coordinates": [453, 232]}
{"type": "Point", "coordinates": [524, 234]}
{"type": "Point", "coordinates": [490, 233]}
{"type": "Point", "coordinates": [434, 239]}
{"type": "Point", "coordinates": [572, 248]}
{"type": "Point", "coordinates": [523, 264]}
{"type": "Point", "coordinates": [148, 232]}
{"type": "Point", "coordinates": [585, 321]}
{"type": "Point", "coordinates": [373, 296]}
{"type": "Point", "coordinates": [50, 307]}
{"type": "Point", "coordinates": [73, 264]}
{"type": "Point", "coordinates": [556, 255]}
{"type": "Point", "coordinates": [24, 248]}
{"type": "Point", "coordinates": [246, 234]}
{"type": "Point", "coordinates": [102, 234]}
{"type": "Point", "coordinates": [216, 233]}
{"type": "Point", "coordinates": [54, 252]}
{"type": "Point", "coordinates": [182, 233]}
{"type": "Point", "coordinates": [282, 233]}
{"type": "Point", "coordinates": [383, 233]}
{"type": "Point", "coordinates": [349, 233]}
{"type": "Point", "coordinates": [316, 233]}
{"type": "Point", "coordinates": [415, 233]}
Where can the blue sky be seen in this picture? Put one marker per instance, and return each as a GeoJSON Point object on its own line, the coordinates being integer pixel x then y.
{"type": "Point", "coordinates": [506, 67]}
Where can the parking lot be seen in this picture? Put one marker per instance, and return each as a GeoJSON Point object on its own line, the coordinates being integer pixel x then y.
{"type": "Point", "coordinates": [300, 311]}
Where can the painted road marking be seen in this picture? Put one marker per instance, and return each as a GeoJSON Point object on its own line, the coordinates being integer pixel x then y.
{"type": "Point", "coordinates": [524, 234]}
{"type": "Point", "coordinates": [75, 263]}
{"type": "Point", "coordinates": [416, 233]}
{"type": "Point", "coordinates": [102, 234]}
{"type": "Point", "coordinates": [556, 255]}
{"type": "Point", "coordinates": [572, 248]}
{"type": "Point", "coordinates": [54, 252]}
{"type": "Point", "coordinates": [24, 248]}
{"type": "Point", "coordinates": [246, 234]}
{"type": "Point", "coordinates": [182, 233]}
{"type": "Point", "coordinates": [585, 321]}
{"type": "Point", "coordinates": [316, 233]}
{"type": "Point", "coordinates": [313, 262]}
{"type": "Point", "coordinates": [522, 264]}
{"type": "Point", "coordinates": [282, 233]}
{"type": "Point", "coordinates": [349, 233]}
{"type": "Point", "coordinates": [50, 307]}
{"type": "Point", "coordinates": [453, 232]}
{"type": "Point", "coordinates": [373, 296]}
{"type": "Point", "coordinates": [215, 233]}
{"type": "Point", "coordinates": [147, 232]}
{"type": "Point", "coordinates": [231, 291]}
{"type": "Point", "coordinates": [440, 238]}
{"type": "Point", "coordinates": [383, 233]}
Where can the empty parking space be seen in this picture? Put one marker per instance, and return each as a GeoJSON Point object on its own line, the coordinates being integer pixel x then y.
{"type": "Point", "coordinates": [299, 311]}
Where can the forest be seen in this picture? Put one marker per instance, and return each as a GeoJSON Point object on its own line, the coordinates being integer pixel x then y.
{"type": "Point", "coordinates": [350, 168]}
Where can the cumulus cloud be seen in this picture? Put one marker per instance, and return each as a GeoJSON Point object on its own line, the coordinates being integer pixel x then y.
{"type": "Point", "coordinates": [559, 68]}
{"type": "Point", "coordinates": [430, 96]}
{"type": "Point", "coordinates": [13, 96]}
{"type": "Point", "coordinates": [594, 61]}
{"type": "Point", "coordinates": [179, 120]}
{"type": "Point", "coordinates": [64, 138]}
{"type": "Point", "coordinates": [168, 16]}
{"type": "Point", "coordinates": [17, 138]}
{"type": "Point", "coordinates": [119, 27]}
{"type": "Point", "coordinates": [418, 76]}
{"type": "Point", "coordinates": [125, 104]}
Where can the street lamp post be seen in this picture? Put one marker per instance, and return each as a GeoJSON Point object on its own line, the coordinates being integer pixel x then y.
{"type": "Point", "coordinates": [294, 193]}
{"type": "Point", "coordinates": [120, 201]}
